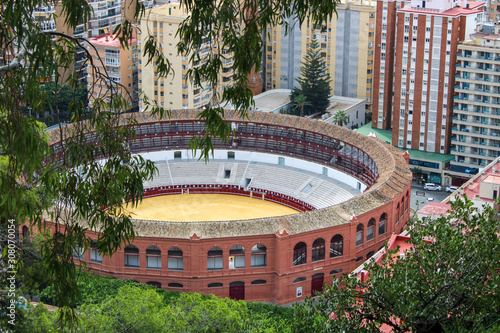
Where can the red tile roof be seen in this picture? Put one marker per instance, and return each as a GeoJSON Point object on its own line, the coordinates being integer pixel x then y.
{"type": "Point", "coordinates": [435, 208]}
{"type": "Point", "coordinates": [474, 8]}
{"type": "Point", "coordinates": [108, 40]}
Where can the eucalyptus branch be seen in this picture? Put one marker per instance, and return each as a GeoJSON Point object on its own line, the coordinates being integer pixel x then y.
{"type": "Point", "coordinates": [17, 60]}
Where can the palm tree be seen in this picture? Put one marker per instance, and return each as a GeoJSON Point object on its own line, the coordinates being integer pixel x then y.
{"type": "Point", "coordinates": [340, 118]}
{"type": "Point", "coordinates": [299, 102]}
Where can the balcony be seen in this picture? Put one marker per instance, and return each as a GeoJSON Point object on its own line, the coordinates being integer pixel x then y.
{"type": "Point", "coordinates": [478, 57]}
{"type": "Point", "coordinates": [113, 62]}
{"type": "Point", "coordinates": [479, 69]}
{"type": "Point", "coordinates": [489, 111]}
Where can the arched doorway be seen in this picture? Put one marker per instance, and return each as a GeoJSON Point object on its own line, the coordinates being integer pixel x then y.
{"type": "Point", "coordinates": [237, 290]}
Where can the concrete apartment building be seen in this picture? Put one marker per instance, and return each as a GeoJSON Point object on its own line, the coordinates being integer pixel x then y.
{"type": "Point", "coordinates": [105, 16]}
{"type": "Point", "coordinates": [121, 66]}
{"type": "Point", "coordinates": [493, 10]}
{"type": "Point", "coordinates": [176, 91]}
{"type": "Point", "coordinates": [476, 122]}
{"type": "Point", "coordinates": [108, 13]}
{"type": "Point", "coordinates": [347, 45]}
{"type": "Point", "coordinates": [50, 18]}
{"type": "Point", "coordinates": [414, 69]}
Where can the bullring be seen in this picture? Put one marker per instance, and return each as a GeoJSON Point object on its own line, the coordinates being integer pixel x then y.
{"type": "Point", "coordinates": [275, 259]}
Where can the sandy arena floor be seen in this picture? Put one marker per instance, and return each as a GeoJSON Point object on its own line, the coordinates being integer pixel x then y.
{"type": "Point", "coordinates": [207, 207]}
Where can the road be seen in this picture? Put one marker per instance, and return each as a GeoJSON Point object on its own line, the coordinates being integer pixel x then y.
{"type": "Point", "coordinates": [418, 201]}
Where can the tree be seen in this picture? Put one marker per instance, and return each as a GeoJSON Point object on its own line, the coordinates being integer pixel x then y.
{"type": "Point", "coordinates": [299, 102]}
{"type": "Point", "coordinates": [314, 80]}
{"type": "Point", "coordinates": [340, 118]}
{"type": "Point", "coordinates": [135, 309]}
{"type": "Point", "coordinates": [64, 96]}
{"type": "Point", "coordinates": [447, 282]}
{"type": "Point", "coordinates": [71, 174]}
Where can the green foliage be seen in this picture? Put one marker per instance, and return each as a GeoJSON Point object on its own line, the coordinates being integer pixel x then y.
{"type": "Point", "coordinates": [38, 320]}
{"type": "Point", "coordinates": [314, 81]}
{"type": "Point", "coordinates": [137, 309]}
{"type": "Point", "coordinates": [340, 118]}
{"type": "Point", "coordinates": [95, 289]}
{"type": "Point", "coordinates": [32, 275]}
{"type": "Point", "coordinates": [299, 102]}
{"type": "Point", "coordinates": [61, 100]}
{"type": "Point", "coordinates": [449, 282]}
{"type": "Point", "coordinates": [416, 171]}
{"type": "Point", "coordinates": [269, 318]}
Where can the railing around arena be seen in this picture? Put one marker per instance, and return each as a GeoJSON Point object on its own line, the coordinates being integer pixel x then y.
{"type": "Point", "coordinates": [276, 197]}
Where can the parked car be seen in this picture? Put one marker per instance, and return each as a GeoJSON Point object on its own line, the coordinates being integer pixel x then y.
{"type": "Point", "coordinates": [471, 171]}
{"type": "Point", "coordinates": [432, 187]}
{"type": "Point", "coordinates": [430, 199]}
{"type": "Point", "coordinates": [451, 189]}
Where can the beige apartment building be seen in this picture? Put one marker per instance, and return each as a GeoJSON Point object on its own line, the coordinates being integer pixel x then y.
{"type": "Point", "coordinates": [120, 64]}
{"type": "Point", "coordinates": [176, 91]}
{"type": "Point", "coordinates": [493, 11]}
{"type": "Point", "coordinates": [347, 45]}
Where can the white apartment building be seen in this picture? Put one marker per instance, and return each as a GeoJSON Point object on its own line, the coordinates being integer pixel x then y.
{"type": "Point", "coordinates": [476, 121]}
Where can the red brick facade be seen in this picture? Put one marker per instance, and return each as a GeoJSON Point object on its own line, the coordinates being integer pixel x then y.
{"type": "Point", "coordinates": [279, 274]}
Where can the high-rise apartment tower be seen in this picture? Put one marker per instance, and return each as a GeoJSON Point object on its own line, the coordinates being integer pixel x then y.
{"type": "Point", "coordinates": [414, 73]}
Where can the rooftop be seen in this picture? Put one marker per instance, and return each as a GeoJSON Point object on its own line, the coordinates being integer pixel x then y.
{"type": "Point", "coordinates": [108, 40]}
{"type": "Point", "coordinates": [386, 135]}
{"type": "Point", "coordinates": [435, 208]}
{"type": "Point", "coordinates": [490, 174]}
{"type": "Point", "coordinates": [342, 103]}
{"type": "Point", "coordinates": [272, 100]}
{"type": "Point", "coordinates": [473, 7]}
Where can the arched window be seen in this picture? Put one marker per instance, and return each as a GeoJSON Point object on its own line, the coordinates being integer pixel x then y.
{"type": "Point", "coordinates": [370, 254]}
{"type": "Point", "coordinates": [370, 233]}
{"type": "Point", "coordinates": [336, 271]}
{"type": "Point", "coordinates": [382, 223]}
{"type": "Point", "coordinates": [299, 279]}
{"type": "Point", "coordinates": [358, 259]}
{"type": "Point", "coordinates": [318, 250]}
{"type": "Point", "coordinates": [237, 283]}
{"type": "Point", "coordinates": [214, 259]}
{"type": "Point", "coordinates": [259, 282]}
{"type": "Point", "coordinates": [300, 254]}
{"type": "Point", "coordinates": [397, 214]}
{"type": "Point", "coordinates": [337, 246]}
{"type": "Point", "coordinates": [215, 285]}
{"type": "Point", "coordinates": [175, 260]}
{"type": "Point", "coordinates": [26, 233]}
{"type": "Point", "coordinates": [131, 256]}
{"type": "Point", "coordinates": [401, 212]}
{"type": "Point", "coordinates": [154, 283]}
{"type": "Point", "coordinates": [259, 256]}
{"type": "Point", "coordinates": [95, 255]}
{"type": "Point", "coordinates": [153, 257]}
{"type": "Point", "coordinates": [176, 285]}
{"type": "Point", "coordinates": [237, 257]}
{"type": "Point", "coordinates": [359, 235]}
{"type": "Point", "coordinates": [407, 200]}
